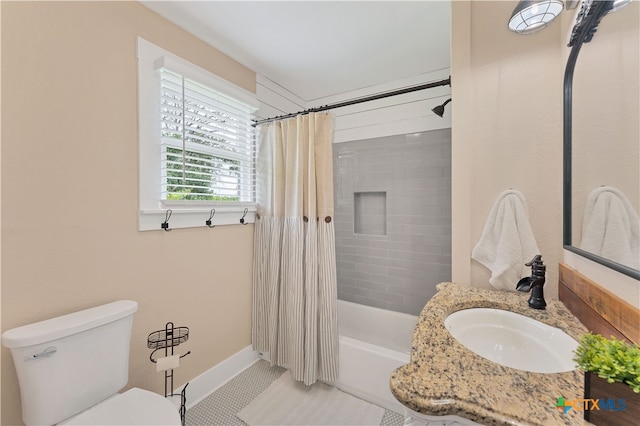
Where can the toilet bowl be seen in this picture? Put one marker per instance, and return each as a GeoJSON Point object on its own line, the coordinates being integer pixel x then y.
{"type": "Point", "coordinates": [71, 368]}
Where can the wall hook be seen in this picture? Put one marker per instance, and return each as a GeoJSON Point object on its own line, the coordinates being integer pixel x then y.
{"type": "Point", "coordinates": [242, 222]}
{"type": "Point", "coordinates": [208, 222]}
{"type": "Point", "coordinates": [165, 225]}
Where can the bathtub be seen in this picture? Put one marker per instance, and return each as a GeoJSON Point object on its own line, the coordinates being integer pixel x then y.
{"type": "Point", "coordinates": [373, 342]}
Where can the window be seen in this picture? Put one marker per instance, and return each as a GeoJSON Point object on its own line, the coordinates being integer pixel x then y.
{"type": "Point", "coordinates": [207, 143]}
{"type": "Point", "coordinates": [196, 147]}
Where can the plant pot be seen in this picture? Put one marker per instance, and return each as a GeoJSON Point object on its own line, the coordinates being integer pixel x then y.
{"type": "Point", "coordinates": [618, 404]}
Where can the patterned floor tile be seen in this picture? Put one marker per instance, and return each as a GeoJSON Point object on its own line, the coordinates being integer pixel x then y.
{"type": "Point", "coordinates": [221, 406]}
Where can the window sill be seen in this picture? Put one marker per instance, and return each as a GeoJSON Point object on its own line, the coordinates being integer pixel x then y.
{"type": "Point", "coordinates": [194, 217]}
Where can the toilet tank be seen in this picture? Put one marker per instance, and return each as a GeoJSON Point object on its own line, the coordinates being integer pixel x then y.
{"type": "Point", "coordinates": [70, 363]}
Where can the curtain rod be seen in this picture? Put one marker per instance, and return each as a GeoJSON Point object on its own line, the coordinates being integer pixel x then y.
{"type": "Point", "coordinates": [446, 82]}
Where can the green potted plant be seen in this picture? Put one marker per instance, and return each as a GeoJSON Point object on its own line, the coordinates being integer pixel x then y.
{"type": "Point", "coordinates": [612, 376]}
{"type": "Point", "coordinates": [611, 359]}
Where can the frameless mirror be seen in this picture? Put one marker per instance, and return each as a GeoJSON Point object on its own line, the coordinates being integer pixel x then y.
{"type": "Point", "coordinates": [602, 153]}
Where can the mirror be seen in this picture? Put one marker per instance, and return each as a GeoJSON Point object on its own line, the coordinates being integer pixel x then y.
{"type": "Point", "coordinates": [602, 141]}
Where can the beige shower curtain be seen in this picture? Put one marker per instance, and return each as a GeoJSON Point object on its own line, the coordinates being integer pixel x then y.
{"type": "Point", "coordinates": [294, 282]}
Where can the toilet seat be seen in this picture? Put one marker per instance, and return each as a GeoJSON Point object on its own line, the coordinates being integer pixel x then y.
{"type": "Point", "coordinates": [133, 407]}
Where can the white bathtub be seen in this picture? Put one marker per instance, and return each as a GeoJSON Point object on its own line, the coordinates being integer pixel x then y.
{"type": "Point", "coordinates": [373, 342]}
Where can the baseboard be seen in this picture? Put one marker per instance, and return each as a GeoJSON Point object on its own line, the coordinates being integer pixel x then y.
{"type": "Point", "coordinates": [203, 385]}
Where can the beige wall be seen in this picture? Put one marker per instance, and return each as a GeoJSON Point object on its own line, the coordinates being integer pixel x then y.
{"type": "Point", "coordinates": [69, 190]}
{"type": "Point", "coordinates": [506, 130]}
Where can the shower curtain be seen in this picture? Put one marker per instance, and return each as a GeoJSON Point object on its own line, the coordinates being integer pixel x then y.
{"type": "Point", "coordinates": [294, 281]}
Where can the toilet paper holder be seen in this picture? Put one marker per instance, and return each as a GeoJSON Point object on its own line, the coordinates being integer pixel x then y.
{"type": "Point", "coordinates": [168, 339]}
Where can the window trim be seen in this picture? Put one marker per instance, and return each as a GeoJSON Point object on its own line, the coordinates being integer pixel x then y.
{"type": "Point", "coordinates": [152, 210]}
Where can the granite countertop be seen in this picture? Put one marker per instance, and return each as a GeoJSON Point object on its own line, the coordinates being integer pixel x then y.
{"type": "Point", "coordinates": [443, 377]}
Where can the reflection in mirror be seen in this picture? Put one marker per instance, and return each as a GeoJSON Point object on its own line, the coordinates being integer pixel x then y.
{"type": "Point", "coordinates": [610, 227]}
{"type": "Point", "coordinates": [605, 151]}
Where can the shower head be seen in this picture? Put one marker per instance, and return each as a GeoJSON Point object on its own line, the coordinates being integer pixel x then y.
{"type": "Point", "coordinates": [439, 110]}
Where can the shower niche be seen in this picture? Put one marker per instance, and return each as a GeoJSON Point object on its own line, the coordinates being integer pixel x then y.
{"type": "Point", "coordinates": [370, 213]}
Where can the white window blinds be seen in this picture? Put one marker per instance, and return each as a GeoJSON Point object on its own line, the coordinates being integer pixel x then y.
{"type": "Point", "coordinates": [207, 143]}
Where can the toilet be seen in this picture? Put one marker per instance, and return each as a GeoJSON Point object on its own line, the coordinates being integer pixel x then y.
{"type": "Point", "coordinates": [71, 368]}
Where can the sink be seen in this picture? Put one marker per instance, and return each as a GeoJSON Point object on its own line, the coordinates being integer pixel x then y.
{"type": "Point", "coordinates": [513, 340]}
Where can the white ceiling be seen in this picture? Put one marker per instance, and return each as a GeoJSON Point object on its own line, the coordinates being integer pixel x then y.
{"type": "Point", "coordinates": [321, 48]}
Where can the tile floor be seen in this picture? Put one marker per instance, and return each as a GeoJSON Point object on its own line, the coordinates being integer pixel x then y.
{"type": "Point", "coordinates": [221, 406]}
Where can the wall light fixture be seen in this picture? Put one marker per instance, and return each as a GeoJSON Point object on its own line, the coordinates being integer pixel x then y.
{"type": "Point", "coordinates": [619, 4]}
{"type": "Point", "coordinates": [531, 16]}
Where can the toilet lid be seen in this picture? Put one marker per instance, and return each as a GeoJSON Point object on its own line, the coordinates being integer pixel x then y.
{"type": "Point", "coordinates": [133, 407]}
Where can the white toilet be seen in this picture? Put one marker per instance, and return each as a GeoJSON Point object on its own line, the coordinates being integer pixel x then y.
{"type": "Point", "coordinates": [71, 368]}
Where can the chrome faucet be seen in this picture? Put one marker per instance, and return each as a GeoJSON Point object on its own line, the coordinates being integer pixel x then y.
{"type": "Point", "coordinates": [534, 283]}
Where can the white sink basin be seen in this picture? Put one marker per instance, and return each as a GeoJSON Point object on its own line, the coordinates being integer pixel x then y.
{"type": "Point", "coordinates": [513, 340]}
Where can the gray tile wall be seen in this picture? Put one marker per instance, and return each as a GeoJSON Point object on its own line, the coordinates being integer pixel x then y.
{"type": "Point", "coordinates": [400, 269]}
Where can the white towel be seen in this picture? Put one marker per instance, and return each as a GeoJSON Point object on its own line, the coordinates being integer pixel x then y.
{"type": "Point", "coordinates": [507, 241]}
{"type": "Point", "coordinates": [611, 227]}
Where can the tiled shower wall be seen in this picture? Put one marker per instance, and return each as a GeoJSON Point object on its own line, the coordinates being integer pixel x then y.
{"type": "Point", "coordinates": [393, 219]}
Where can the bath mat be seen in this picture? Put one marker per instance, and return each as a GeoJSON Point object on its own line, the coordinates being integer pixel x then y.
{"type": "Point", "coordinates": [287, 402]}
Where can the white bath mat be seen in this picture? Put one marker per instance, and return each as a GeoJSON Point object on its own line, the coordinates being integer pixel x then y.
{"type": "Point", "coordinates": [287, 402]}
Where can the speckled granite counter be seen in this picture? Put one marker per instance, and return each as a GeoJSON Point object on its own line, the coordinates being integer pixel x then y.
{"type": "Point", "coordinates": [445, 378]}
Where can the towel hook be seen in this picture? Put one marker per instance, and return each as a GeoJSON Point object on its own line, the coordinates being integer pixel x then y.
{"type": "Point", "coordinates": [165, 225]}
{"type": "Point", "coordinates": [208, 222]}
{"type": "Point", "coordinates": [242, 222]}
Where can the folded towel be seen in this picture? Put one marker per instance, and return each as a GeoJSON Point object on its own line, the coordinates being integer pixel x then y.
{"type": "Point", "coordinates": [507, 241]}
{"type": "Point", "coordinates": [611, 227]}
